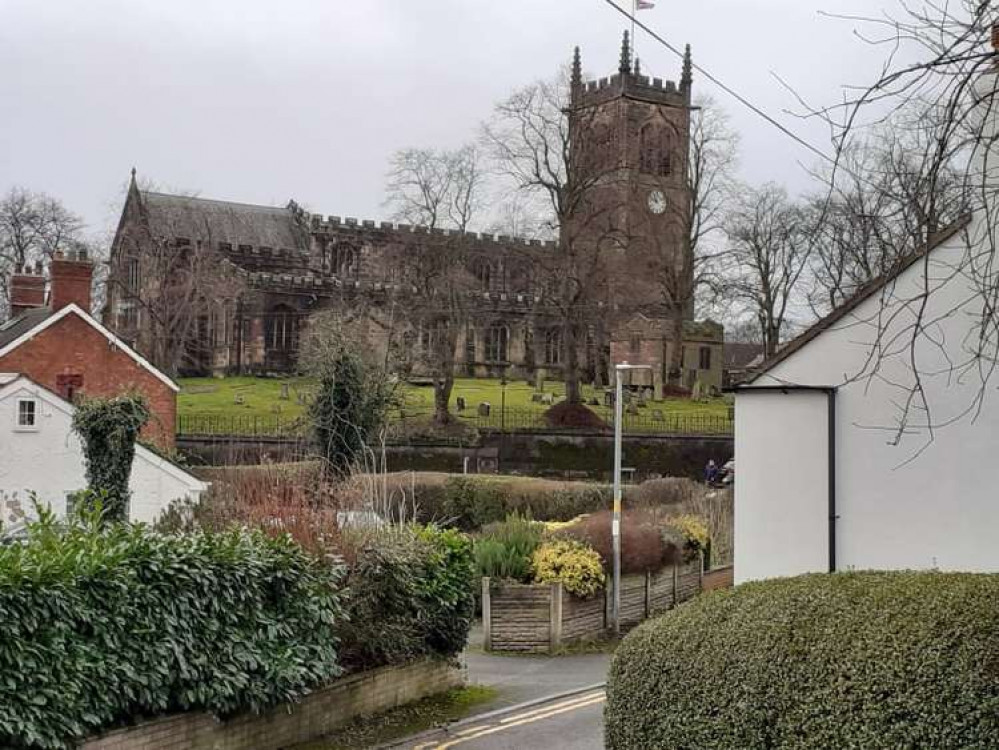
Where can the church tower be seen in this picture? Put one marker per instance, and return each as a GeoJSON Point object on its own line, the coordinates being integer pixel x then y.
{"type": "Point", "coordinates": [630, 137]}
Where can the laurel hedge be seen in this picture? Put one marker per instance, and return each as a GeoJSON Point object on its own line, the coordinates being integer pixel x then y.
{"type": "Point", "coordinates": [849, 660]}
{"type": "Point", "coordinates": [99, 626]}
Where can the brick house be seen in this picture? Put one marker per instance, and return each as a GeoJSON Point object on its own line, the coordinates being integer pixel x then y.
{"type": "Point", "coordinates": [60, 346]}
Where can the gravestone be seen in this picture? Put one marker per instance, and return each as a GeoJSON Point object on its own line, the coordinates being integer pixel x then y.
{"type": "Point", "coordinates": [608, 398]}
{"type": "Point", "coordinates": [459, 403]}
{"type": "Point", "coordinates": [536, 398]}
{"type": "Point", "coordinates": [547, 398]}
{"type": "Point", "coordinates": [237, 399]}
{"type": "Point", "coordinates": [539, 381]}
{"type": "Point", "coordinates": [285, 395]}
{"type": "Point", "coordinates": [484, 409]}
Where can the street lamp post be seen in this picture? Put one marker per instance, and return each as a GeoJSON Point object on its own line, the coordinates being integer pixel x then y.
{"type": "Point", "coordinates": [619, 370]}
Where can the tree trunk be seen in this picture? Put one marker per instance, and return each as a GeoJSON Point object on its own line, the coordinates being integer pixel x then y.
{"type": "Point", "coordinates": [442, 399]}
{"type": "Point", "coordinates": [674, 332]}
{"type": "Point", "coordinates": [573, 394]}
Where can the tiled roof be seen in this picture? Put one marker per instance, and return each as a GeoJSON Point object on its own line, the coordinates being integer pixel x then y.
{"type": "Point", "coordinates": [16, 327]}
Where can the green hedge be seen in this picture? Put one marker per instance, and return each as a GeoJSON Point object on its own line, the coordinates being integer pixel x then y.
{"type": "Point", "coordinates": [98, 626]}
{"type": "Point", "coordinates": [469, 502]}
{"type": "Point", "coordinates": [411, 595]}
{"type": "Point", "coordinates": [851, 660]}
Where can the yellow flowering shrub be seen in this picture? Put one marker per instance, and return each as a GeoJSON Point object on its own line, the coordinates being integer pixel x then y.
{"type": "Point", "coordinates": [694, 531]}
{"type": "Point", "coordinates": [573, 564]}
{"type": "Point", "coordinates": [553, 526]}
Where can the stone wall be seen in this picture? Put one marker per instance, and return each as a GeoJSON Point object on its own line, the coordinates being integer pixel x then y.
{"type": "Point", "coordinates": [541, 618]}
{"type": "Point", "coordinates": [555, 454]}
{"type": "Point", "coordinates": [315, 715]}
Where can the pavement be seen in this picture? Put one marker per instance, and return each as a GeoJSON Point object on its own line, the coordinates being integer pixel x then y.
{"type": "Point", "coordinates": [571, 722]}
{"type": "Point", "coordinates": [549, 702]}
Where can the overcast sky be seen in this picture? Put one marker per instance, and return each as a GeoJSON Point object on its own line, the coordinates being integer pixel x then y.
{"type": "Point", "coordinates": [262, 101]}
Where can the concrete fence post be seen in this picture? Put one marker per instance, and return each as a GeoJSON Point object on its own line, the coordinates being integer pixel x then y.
{"type": "Point", "coordinates": [487, 615]}
{"type": "Point", "coordinates": [555, 617]}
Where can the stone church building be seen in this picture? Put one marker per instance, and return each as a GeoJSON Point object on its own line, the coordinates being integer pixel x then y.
{"type": "Point", "coordinates": [272, 269]}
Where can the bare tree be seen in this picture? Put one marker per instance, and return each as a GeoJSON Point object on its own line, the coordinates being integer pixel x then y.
{"type": "Point", "coordinates": [434, 188]}
{"type": "Point", "coordinates": [880, 208]}
{"type": "Point", "coordinates": [686, 264]}
{"type": "Point", "coordinates": [533, 138]}
{"type": "Point", "coordinates": [937, 58]}
{"type": "Point", "coordinates": [766, 259]}
{"type": "Point", "coordinates": [33, 226]}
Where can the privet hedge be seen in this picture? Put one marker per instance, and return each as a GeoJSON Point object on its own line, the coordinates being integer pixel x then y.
{"type": "Point", "coordinates": [98, 626]}
{"type": "Point", "coordinates": [850, 660]}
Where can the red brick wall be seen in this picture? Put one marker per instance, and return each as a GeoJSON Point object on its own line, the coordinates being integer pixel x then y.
{"type": "Point", "coordinates": [73, 346]}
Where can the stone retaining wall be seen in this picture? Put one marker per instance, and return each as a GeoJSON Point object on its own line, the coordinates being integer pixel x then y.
{"type": "Point", "coordinates": [316, 714]}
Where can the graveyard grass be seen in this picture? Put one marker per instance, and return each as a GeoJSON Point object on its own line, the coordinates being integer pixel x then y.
{"type": "Point", "coordinates": [252, 396]}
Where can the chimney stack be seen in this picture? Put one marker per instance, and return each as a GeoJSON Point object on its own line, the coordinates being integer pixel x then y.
{"type": "Point", "coordinates": [27, 289]}
{"type": "Point", "coordinates": [71, 278]}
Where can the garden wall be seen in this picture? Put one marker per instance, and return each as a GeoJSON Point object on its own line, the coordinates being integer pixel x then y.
{"type": "Point", "coordinates": [540, 618]}
{"type": "Point", "coordinates": [316, 714]}
{"type": "Point", "coordinates": [556, 454]}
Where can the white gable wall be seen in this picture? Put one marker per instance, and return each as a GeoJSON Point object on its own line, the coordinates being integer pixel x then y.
{"type": "Point", "coordinates": [915, 504]}
{"type": "Point", "coordinates": [49, 460]}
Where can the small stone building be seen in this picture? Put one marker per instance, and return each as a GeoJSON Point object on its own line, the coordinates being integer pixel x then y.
{"type": "Point", "coordinates": [643, 341]}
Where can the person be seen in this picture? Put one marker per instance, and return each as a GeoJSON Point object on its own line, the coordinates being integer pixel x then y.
{"type": "Point", "coordinates": [711, 472]}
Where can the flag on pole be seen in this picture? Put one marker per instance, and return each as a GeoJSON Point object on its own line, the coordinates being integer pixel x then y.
{"type": "Point", "coordinates": [644, 5]}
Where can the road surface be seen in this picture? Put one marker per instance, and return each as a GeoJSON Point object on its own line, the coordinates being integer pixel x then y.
{"type": "Point", "coordinates": [575, 722]}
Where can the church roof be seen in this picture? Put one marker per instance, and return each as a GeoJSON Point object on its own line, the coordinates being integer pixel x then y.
{"type": "Point", "coordinates": [214, 221]}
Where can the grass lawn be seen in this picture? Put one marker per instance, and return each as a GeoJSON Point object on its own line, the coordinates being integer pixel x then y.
{"type": "Point", "coordinates": [416, 717]}
{"type": "Point", "coordinates": [261, 397]}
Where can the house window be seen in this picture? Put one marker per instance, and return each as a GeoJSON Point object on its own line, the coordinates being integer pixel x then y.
{"type": "Point", "coordinates": [705, 358]}
{"type": "Point", "coordinates": [27, 414]}
{"type": "Point", "coordinates": [497, 337]}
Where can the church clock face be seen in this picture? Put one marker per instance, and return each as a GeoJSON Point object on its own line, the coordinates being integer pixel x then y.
{"type": "Point", "coordinates": [657, 202]}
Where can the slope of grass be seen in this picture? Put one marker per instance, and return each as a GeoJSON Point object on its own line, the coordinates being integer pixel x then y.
{"type": "Point", "coordinates": [261, 397]}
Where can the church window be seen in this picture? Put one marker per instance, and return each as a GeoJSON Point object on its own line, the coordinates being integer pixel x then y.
{"type": "Point", "coordinates": [655, 150]}
{"type": "Point", "coordinates": [282, 329]}
{"type": "Point", "coordinates": [133, 275]}
{"type": "Point", "coordinates": [483, 271]}
{"type": "Point", "coordinates": [635, 345]}
{"type": "Point", "coordinates": [342, 260]}
{"type": "Point", "coordinates": [553, 346]}
{"type": "Point", "coordinates": [470, 344]}
{"type": "Point", "coordinates": [497, 337]}
{"type": "Point", "coordinates": [705, 358]}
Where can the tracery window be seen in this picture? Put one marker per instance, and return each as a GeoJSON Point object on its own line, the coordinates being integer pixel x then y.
{"type": "Point", "coordinates": [553, 346]}
{"type": "Point", "coordinates": [497, 338]}
{"type": "Point", "coordinates": [655, 150]}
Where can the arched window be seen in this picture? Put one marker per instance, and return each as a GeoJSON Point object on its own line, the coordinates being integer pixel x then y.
{"type": "Point", "coordinates": [553, 346]}
{"type": "Point", "coordinates": [281, 328]}
{"type": "Point", "coordinates": [433, 336]}
{"type": "Point", "coordinates": [133, 275]}
{"type": "Point", "coordinates": [655, 150]}
{"type": "Point", "coordinates": [497, 337]}
{"type": "Point", "coordinates": [482, 269]}
{"type": "Point", "coordinates": [342, 260]}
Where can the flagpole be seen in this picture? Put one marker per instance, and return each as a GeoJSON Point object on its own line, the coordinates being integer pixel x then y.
{"type": "Point", "coordinates": [634, 12]}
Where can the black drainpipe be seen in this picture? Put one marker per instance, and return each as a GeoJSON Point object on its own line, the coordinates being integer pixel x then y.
{"type": "Point", "coordinates": [830, 392]}
{"type": "Point", "coordinates": [831, 395]}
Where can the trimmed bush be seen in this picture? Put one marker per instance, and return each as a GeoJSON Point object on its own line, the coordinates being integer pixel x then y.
{"type": "Point", "coordinates": [411, 594]}
{"type": "Point", "coordinates": [98, 626]}
{"type": "Point", "coordinates": [573, 564]}
{"type": "Point", "coordinates": [849, 660]}
{"type": "Point", "coordinates": [643, 548]}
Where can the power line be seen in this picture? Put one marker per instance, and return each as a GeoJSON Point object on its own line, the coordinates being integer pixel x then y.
{"type": "Point", "coordinates": [727, 89]}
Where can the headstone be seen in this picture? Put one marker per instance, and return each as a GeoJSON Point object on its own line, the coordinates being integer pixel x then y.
{"type": "Point", "coordinates": [539, 380]}
{"type": "Point", "coordinates": [657, 415]}
{"type": "Point", "coordinates": [649, 394]}
{"type": "Point", "coordinates": [237, 399]}
{"type": "Point", "coordinates": [459, 403]}
{"type": "Point", "coordinates": [484, 409]}
{"type": "Point", "coordinates": [547, 398]}
{"type": "Point", "coordinates": [285, 395]}
{"type": "Point", "coordinates": [536, 398]}
{"type": "Point", "coordinates": [608, 398]}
